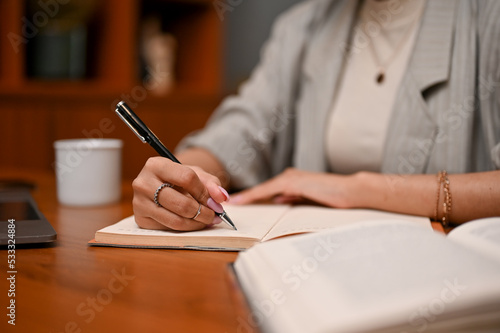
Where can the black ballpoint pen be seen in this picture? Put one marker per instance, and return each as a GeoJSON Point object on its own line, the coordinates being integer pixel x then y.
{"type": "Point", "coordinates": [147, 136]}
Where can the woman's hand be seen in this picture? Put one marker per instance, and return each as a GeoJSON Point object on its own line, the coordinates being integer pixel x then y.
{"type": "Point", "coordinates": [295, 185]}
{"type": "Point", "coordinates": [192, 188]}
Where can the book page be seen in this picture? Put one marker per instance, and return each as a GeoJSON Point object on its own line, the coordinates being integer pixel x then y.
{"type": "Point", "coordinates": [480, 235]}
{"type": "Point", "coordinates": [302, 219]}
{"type": "Point", "coordinates": [365, 277]}
{"type": "Point", "coordinates": [252, 221]}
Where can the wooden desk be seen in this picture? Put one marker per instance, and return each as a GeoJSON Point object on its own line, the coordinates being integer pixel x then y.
{"type": "Point", "coordinates": [70, 287]}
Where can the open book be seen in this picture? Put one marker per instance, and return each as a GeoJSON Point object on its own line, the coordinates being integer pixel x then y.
{"type": "Point", "coordinates": [255, 223]}
{"type": "Point", "coordinates": [385, 276]}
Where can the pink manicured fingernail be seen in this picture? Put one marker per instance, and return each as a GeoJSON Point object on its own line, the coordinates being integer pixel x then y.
{"type": "Point", "coordinates": [216, 207]}
{"type": "Point", "coordinates": [223, 190]}
{"type": "Point", "coordinates": [216, 220]}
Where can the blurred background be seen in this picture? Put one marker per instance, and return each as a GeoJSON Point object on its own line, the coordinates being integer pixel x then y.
{"type": "Point", "coordinates": [64, 64]}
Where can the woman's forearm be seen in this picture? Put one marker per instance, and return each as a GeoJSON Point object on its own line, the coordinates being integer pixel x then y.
{"type": "Point", "coordinates": [473, 195]}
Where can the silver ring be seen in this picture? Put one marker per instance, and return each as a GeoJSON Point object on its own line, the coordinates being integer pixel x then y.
{"type": "Point", "coordinates": [197, 213]}
{"type": "Point", "coordinates": [157, 192]}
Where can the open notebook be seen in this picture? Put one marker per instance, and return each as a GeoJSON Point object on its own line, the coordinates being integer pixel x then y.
{"type": "Point", "coordinates": [255, 223]}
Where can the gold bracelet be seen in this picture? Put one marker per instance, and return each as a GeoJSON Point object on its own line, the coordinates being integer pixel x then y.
{"type": "Point", "coordinates": [438, 195]}
{"type": "Point", "coordinates": [443, 180]}
{"type": "Point", "coordinates": [447, 200]}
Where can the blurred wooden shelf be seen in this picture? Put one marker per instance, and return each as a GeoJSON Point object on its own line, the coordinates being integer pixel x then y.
{"type": "Point", "coordinates": [81, 90]}
{"type": "Point", "coordinates": [44, 110]}
{"type": "Point", "coordinates": [113, 42]}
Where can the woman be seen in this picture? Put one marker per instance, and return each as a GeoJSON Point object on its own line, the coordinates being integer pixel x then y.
{"type": "Point", "coordinates": [354, 104]}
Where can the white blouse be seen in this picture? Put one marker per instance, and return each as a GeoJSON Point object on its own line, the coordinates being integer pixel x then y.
{"type": "Point", "coordinates": [381, 48]}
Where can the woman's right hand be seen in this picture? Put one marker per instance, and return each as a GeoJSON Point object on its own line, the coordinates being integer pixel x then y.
{"type": "Point", "coordinates": [192, 188]}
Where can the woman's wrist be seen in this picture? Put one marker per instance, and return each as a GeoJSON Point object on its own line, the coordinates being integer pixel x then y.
{"type": "Point", "coordinates": [362, 192]}
{"type": "Point", "coordinates": [406, 194]}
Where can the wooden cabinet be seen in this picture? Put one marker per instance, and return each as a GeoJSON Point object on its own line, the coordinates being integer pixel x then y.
{"type": "Point", "coordinates": [36, 111]}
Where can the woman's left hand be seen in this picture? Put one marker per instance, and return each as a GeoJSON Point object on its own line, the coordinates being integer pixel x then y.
{"type": "Point", "coordinates": [294, 185]}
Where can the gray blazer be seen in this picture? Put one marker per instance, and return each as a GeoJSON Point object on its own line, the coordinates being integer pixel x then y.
{"type": "Point", "coordinates": [447, 110]}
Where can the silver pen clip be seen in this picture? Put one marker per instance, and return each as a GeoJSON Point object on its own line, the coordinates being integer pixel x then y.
{"type": "Point", "coordinates": [125, 120]}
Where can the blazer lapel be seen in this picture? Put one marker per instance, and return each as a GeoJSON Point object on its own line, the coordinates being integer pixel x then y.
{"type": "Point", "coordinates": [430, 63]}
{"type": "Point", "coordinates": [413, 129]}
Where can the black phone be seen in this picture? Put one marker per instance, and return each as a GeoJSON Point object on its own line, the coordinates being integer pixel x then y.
{"type": "Point", "coordinates": [21, 222]}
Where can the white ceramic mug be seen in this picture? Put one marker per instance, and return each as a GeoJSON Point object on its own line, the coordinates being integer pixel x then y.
{"type": "Point", "coordinates": [88, 171]}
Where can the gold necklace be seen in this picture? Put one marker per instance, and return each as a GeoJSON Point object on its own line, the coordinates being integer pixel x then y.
{"type": "Point", "coordinates": [381, 68]}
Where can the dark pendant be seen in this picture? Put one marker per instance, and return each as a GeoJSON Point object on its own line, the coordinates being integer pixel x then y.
{"type": "Point", "coordinates": [380, 77]}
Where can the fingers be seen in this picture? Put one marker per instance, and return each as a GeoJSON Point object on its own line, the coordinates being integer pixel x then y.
{"type": "Point", "coordinates": [213, 185]}
{"type": "Point", "coordinates": [181, 176]}
{"type": "Point", "coordinates": [184, 206]}
{"type": "Point", "coordinates": [288, 199]}
{"type": "Point", "coordinates": [180, 204]}
{"type": "Point", "coordinates": [287, 185]}
{"type": "Point", "coordinates": [163, 219]}
{"type": "Point", "coordinates": [263, 192]}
